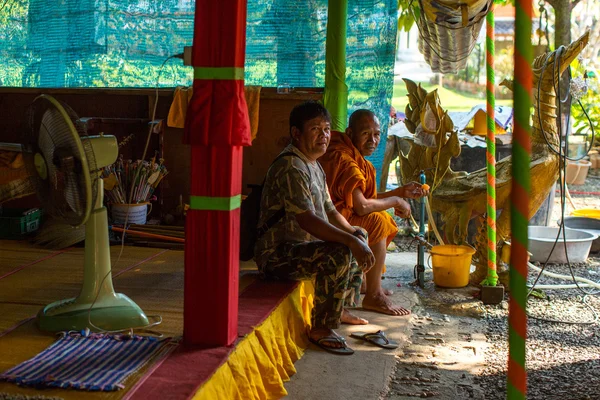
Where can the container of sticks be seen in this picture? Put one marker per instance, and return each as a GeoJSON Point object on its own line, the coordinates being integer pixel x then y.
{"type": "Point", "coordinates": [130, 213]}
{"type": "Point", "coordinates": [129, 188]}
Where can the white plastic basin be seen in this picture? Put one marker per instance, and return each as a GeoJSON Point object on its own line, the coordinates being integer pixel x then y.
{"type": "Point", "coordinates": [541, 240]}
{"type": "Point", "coordinates": [591, 225]}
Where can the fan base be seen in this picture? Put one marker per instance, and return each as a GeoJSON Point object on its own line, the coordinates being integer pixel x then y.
{"type": "Point", "coordinates": [118, 312]}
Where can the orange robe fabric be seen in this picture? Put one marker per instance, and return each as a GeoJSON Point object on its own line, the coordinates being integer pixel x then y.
{"type": "Point", "coordinates": [346, 169]}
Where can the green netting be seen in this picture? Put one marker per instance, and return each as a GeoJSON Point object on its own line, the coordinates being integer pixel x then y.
{"type": "Point", "coordinates": [118, 43]}
{"type": "Point", "coordinates": [93, 43]}
{"type": "Point", "coordinates": [286, 45]}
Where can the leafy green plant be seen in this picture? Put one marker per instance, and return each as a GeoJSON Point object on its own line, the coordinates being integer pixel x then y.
{"type": "Point", "coordinates": [408, 10]}
{"type": "Point", "coordinates": [590, 102]}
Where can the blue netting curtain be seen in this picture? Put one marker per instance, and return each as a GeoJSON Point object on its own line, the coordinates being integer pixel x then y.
{"type": "Point", "coordinates": [286, 45]}
{"type": "Point", "coordinates": [122, 43]}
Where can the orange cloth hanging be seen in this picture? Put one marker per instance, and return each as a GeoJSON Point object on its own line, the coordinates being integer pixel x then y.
{"type": "Point", "coordinates": [346, 169]}
{"type": "Point", "coordinates": [252, 94]}
{"type": "Point", "coordinates": [178, 110]}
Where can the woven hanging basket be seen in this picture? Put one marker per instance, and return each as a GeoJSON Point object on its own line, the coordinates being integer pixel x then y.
{"type": "Point", "coordinates": [448, 32]}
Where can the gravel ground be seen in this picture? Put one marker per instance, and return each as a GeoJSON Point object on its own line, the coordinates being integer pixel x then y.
{"type": "Point", "coordinates": [562, 359]}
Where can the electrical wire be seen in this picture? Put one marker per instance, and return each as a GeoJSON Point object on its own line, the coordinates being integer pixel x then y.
{"type": "Point", "coordinates": [159, 318]}
{"type": "Point", "coordinates": [563, 157]}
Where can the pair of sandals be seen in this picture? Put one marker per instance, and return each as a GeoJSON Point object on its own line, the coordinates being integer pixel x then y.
{"type": "Point", "coordinates": [378, 338]}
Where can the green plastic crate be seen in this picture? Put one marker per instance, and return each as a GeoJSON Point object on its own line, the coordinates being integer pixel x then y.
{"type": "Point", "coordinates": [16, 223]}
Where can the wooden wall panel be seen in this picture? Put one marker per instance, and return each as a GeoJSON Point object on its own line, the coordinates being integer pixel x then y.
{"type": "Point", "coordinates": [273, 133]}
{"type": "Point", "coordinates": [272, 137]}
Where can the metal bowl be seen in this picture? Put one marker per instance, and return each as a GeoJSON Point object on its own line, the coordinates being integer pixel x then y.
{"type": "Point", "coordinates": [542, 238]}
{"type": "Point", "coordinates": [591, 225]}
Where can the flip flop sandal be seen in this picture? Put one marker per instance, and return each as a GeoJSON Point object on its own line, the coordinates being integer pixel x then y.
{"type": "Point", "coordinates": [345, 350]}
{"type": "Point", "coordinates": [378, 338]}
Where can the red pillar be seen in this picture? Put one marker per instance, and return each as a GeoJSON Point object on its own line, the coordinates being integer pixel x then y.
{"type": "Point", "coordinates": [217, 126]}
{"type": "Point", "coordinates": [212, 249]}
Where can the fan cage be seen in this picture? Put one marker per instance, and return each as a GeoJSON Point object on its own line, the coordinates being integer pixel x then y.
{"type": "Point", "coordinates": [53, 134]}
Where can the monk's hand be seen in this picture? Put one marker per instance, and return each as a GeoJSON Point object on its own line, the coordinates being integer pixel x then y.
{"type": "Point", "coordinates": [363, 254]}
{"type": "Point", "coordinates": [412, 190]}
{"type": "Point", "coordinates": [402, 210]}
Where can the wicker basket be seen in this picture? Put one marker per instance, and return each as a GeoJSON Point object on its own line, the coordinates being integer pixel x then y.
{"type": "Point", "coordinates": [448, 32]}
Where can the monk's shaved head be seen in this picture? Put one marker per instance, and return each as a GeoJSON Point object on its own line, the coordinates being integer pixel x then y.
{"type": "Point", "coordinates": [357, 115]}
{"type": "Point", "coordinates": [364, 131]}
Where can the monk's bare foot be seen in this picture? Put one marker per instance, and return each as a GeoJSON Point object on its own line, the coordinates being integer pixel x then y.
{"type": "Point", "coordinates": [363, 287]}
{"type": "Point", "coordinates": [351, 319]}
{"type": "Point", "coordinates": [382, 304]}
{"type": "Point", "coordinates": [387, 292]}
{"type": "Point", "coordinates": [319, 333]}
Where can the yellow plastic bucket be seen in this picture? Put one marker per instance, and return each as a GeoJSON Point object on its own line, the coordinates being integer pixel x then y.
{"type": "Point", "coordinates": [451, 265]}
{"type": "Point", "coordinates": [587, 212]}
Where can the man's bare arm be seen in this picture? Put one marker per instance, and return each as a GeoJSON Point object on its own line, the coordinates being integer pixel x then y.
{"type": "Point", "coordinates": [322, 229]}
{"type": "Point", "coordinates": [336, 219]}
{"type": "Point", "coordinates": [327, 232]}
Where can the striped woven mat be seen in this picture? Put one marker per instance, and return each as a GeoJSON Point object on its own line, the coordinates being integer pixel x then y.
{"type": "Point", "coordinates": [96, 362]}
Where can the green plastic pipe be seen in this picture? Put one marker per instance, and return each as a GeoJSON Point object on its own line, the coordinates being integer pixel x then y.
{"type": "Point", "coordinates": [336, 90]}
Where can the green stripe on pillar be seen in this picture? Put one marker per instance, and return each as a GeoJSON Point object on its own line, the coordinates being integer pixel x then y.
{"type": "Point", "coordinates": [492, 275]}
{"type": "Point", "coordinates": [336, 90]}
{"type": "Point", "coordinates": [225, 73]}
{"type": "Point", "coordinates": [215, 203]}
{"type": "Point", "coordinates": [519, 199]}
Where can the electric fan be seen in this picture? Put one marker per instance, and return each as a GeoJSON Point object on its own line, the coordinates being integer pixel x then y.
{"type": "Point", "coordinates": [65, 166]}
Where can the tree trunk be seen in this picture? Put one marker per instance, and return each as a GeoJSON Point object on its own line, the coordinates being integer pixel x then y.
{"type": "Point", "coordinates": [391, 152]}
{"type": "Point", "coordinates": [562, 11]}
{"type": "Point", "coordinates": [479, 62]}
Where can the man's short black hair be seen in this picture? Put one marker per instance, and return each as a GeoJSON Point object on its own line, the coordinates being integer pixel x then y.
{"type": "Point", "coordinates": [357, 115]}
{"type": "Point", "coordinates": [307, 111]}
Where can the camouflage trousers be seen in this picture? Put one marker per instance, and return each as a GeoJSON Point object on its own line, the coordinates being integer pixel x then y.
{"type": "Point", "coordinates": [336, 273]}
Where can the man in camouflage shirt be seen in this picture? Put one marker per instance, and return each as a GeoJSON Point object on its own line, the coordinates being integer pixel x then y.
{"type": "Point", "coordinates": [312, 240]}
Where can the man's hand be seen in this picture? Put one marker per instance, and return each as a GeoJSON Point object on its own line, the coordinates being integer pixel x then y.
{"type": "Point", "coordinates": [402, 210]}
{"type": "Point", "coordinates": [412, 190]}
{"type": "Point", "coordinates": [363, 254]}
{"type": "Point", "coordinates": [363, 237]}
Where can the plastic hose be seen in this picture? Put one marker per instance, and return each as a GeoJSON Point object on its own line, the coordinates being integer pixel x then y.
{"type": "Point", "coordinates": [550, 287]}
{"type": "Point", "coordinates": [432, 221]}
{"type": "Point", "coordinates": [567, 277]}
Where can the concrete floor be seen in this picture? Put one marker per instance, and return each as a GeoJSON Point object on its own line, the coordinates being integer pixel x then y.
{"type": "Point", "coordinates": [367, 373]}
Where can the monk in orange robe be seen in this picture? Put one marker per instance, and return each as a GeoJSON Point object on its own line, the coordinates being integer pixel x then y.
{"type": "Point", "coordinates": [352, 186]}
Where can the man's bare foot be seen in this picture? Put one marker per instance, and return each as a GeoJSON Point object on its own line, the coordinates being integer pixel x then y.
{"type": "Point", "coordinates": [351, 319]}
{"type": "Point", "coordinates": [319, 333]}
{"type": "Point", "coordinates": [382, 304]}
